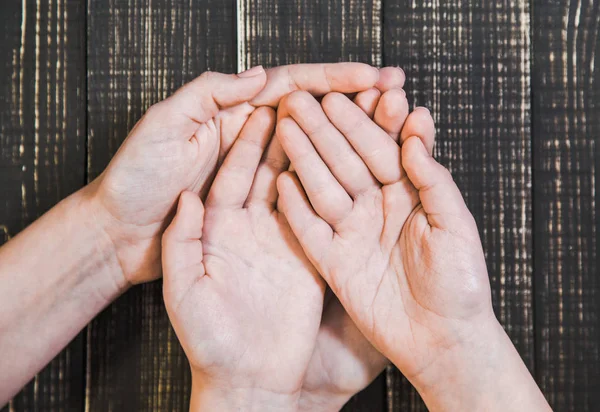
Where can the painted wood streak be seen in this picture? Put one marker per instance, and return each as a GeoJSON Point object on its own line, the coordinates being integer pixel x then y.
{"type": "Point", "coordinates": [566, 90]}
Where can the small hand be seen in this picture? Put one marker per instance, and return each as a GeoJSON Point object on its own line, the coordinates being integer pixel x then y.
{"type": "Point", "coordinates": [365, 239]}
{"type": "Point", "coordinates": [243, 298]}
{"type": "Point", "coordinates": [344, 361]}
{"type": "Point", "coordinates": [402, 253]}
{"type": "Point", "coordinates": [178, 144]}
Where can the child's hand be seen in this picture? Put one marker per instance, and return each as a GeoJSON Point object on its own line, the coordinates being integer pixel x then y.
{"type": "Point", "coordinates": [399, 249]}
{"type": "Point", "coordinates": [344, 361]}
{"type": "Point", "coordinates": [243, 298]}
{"type": "Point", "coordinates": [177, 145]}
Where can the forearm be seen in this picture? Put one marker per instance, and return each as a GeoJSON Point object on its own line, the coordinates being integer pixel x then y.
{"type": "Point", "coordinates": [486, 374]}
{"type": "Point", "coordinates": [55, 276]}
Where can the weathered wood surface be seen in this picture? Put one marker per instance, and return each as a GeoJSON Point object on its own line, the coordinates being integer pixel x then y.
{"type": "Point", "coordinates": [42, 149]}
{"type": "Point", "coordinates": [139, 52]}
{"type": "Point", "coordinates": [520, 136]}
{"type": "Point", "coordinates": [566, 112]}
{"type": "Point", "coordinates": [469, 62]}
{"type": "Point", "coordinates": [278, 32]}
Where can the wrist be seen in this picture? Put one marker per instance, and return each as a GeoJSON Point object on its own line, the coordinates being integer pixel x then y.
{"type": "Point", "coordinates": [484, 372]}
{"type": "Point", "coordinates": [322, 401]}
{"type": "Point", "coordinates": [91, 219]}
{"type": "Point", "coordinates": [208, 395]}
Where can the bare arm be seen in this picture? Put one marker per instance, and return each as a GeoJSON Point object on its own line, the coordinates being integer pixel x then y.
{"type": "Point", "coordinates": [55, 276]}
{"type": "Point", "coordinates": [66, 267]}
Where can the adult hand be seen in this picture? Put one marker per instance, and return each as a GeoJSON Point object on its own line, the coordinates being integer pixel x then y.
{"type": "Point", "coordinates": [177, 145]}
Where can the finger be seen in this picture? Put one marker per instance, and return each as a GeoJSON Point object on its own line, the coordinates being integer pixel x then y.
{"type": "Point", "coordinates": [327, 196]}
{"type": "Point", "coordinates": [378, 151]}
{"type": "Point", "coordinates": [368, 101]}
{"type": "Point", "coordinates": [200, 100]}
{"type": "Point", "coordinates": [439, 195]}
{"type": "Point", "coordinates": [181, 247]}
{"type": "Point", "coordinates": [345, 164]}
{"type": "Point", "coordinates": [317, 79]}
{"type": "Point", "coordinates": [390, 78]}
{"type": "Point", "coordinates": [264, 188]}
{"type": "Point", "coordinates": [312, 232]}
{"type": "Point", "coordinates": [234, 179]}
{"type": "Point", "coordinates": [391, 112]}
{"type": "Point", "coordinates": [419, 123]}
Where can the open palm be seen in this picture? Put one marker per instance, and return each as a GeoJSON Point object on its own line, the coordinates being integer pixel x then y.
{"type": "Point", "coordinates": [385, 257]}
{"type": "Point", "coordinates": [179, 142]}
{"type": "Point", "coordinates": [244, 300]}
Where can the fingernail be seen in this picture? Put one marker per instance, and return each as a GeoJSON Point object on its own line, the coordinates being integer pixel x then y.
{"type": "Point", "coordinates": [402, 71]}
{"type": "Point", "coordinates": [253, 72]}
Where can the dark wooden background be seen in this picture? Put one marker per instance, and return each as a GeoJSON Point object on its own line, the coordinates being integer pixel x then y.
{"type": "Point", "coordinates": [514, 86]}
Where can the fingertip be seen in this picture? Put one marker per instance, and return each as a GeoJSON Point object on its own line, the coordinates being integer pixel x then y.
{"type": "Point", "coordinates": [256, 77]}
{"type": "Point", "coordinates": [285, 126]}
{"type": "Point", "coordinates": [286, 180]}
{"type": "Point", "coordinates": [188, 220]}
{"type": "Point", "coordinates": [390, 78]}
{"type": "Point", "coordinates": [368, 100]}
{"type": "Point", "coordinates": [298, 102]}
{"type": "Point", "coordinates": [265, 117]}
{"type": "Point", "coordinates": [420, 123]}
{"type": "Point", "coordinates": [191, 201]}
{"type": "Point", "coordinates": [332, 101]}
{"type": "Point", "coordinates": [393, 101]}
{"type": "Point", "coordinates": [371, 76]}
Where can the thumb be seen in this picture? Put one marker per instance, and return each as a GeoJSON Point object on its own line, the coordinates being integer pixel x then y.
{"type": "Point", "coordinates": [182, 248]}
{"type": "Point", "coordinates": [440, 197]}
{"type": "Point", "coordinates": [202, 98]}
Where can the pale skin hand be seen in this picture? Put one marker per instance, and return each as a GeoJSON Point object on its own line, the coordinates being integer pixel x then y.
{"type": "Point", "coordinates": [344, 361]}
{"type": "Point", "coordinates": [178, 144]}
{"type": "Point", "coordinates": [401, 252]}
{"type": "Point", "coordinates": [60, 272]}
{"type": "Point", "coordinates": [243, 298]}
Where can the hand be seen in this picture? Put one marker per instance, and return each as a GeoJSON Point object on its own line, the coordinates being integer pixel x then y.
{"type": "Point", "coordinates": [243, 298]}
{"type": "Point", "coordinates": [328, 197]}
{"type": "Point", "coordinates": [344, 361]}
{"type": "Point", "coordinates": [177, 145]}
{"type": "Point", "coordinates": [401, 251]}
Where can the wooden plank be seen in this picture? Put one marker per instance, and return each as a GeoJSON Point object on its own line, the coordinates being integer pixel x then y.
{"type": "Point", "coordinates": [42, 149]}
{"type": "Point", "coordinates": [566, 91]}
{"type": "Point", "coordinates": [279, 32]}
{"type": "Point", "coordinates": [470, 63]}
{"type": "Point", "coordinates": [140, 51]}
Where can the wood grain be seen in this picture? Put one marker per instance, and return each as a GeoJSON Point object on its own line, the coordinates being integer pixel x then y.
{"type": "Point", "coordinates": [469, 62]}
{"type": "Point", "coordinates": [140, 51]}
{"type": "Point", "coordinates": [566, 90]}
{"type": "Point", "coordinates": [279, 32]}
{"type": "Point", "coordinates": [42, 149]}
